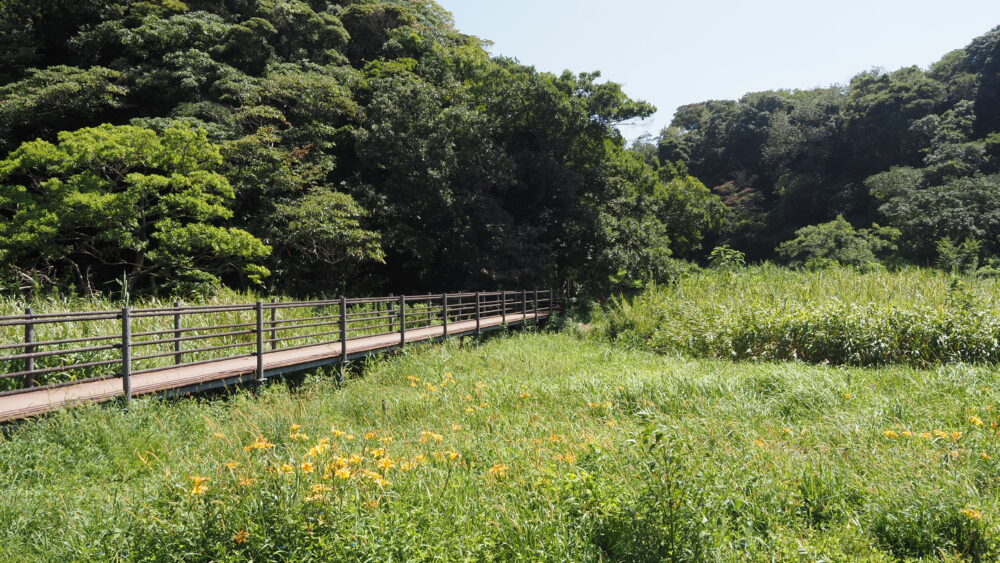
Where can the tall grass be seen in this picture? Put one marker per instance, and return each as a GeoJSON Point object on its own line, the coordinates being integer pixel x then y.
{"type": "Point", "coordinates": [840, 316]}
{"type": "Point", "coordinates": [528, 448]}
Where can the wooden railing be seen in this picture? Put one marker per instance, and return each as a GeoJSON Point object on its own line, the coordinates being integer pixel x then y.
{"type": "Point", "coordinates": [121, 344]}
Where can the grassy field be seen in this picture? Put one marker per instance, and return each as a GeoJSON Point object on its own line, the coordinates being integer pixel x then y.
{"type": "Point", "coordinates": [840, 316]}
{"type": "Point", "coordinates": [531, 447]}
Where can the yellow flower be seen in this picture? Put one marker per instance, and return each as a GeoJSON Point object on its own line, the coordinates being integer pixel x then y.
{"type": "Point", "coordinates": [299, 437]}
{"type": "Point", "coordinates": [218, 435]}
{"type": "Point", "coordinates": [260, 443]}
{"type": "Point", "coordinates": [296, 428]}
{"type": "Point", "coordinates": [377, 452]}
{"type": "Point", "coordinates": [956, 435]}
{"type": "Point", "coordinates": [241, 537]}
{"type": "Point", "coordinates": [232, 465]}
{"type": "Point", "coordinates": [555, 438]}
{"type": "Point", "coordinates": [343, 473]}
{"type": "Point", "coordinates": [568, 458]}
{"type": "Point", "coordinates": [470, 410]}
{"type": "Point", "coordinates": [499, 470]}
{"type": "Point", "coordinates": [246, 482]}
{"type": "Point", "coordinates": [370, 435]}
{"type": "Point", "coordinates": [611, 423]}
{"type": "Point", "coordinates": [427, 436]}
{"type": "Point", "coordinates": [891, 434]}
{"type": "Point", "coordinates": [907, 433]}
{"type": "Point", "coordinates": [452, 456]}
{"type": "Point", "coordinates": [954, 454]}
{"type": "Point", "coordinates": [976, 420]}
{"type": "Point", "coordinates": [355, 459]}
{"type": "Point", "coordinates": [386, 440]}
{"type": "Point", "coordinates": [789, 430]}
{"type": "Point", "coordinates": [525, 395]}
{"type": "Point", "coordinates": [372, 504]}
{"type": "Point", "coordinates": [385, 463]}
{"type": "Point", "coordinates": [286, 468]}
{"type": "Point", "coordinates": [848, 396]}
{"type": "Point", "coordinates": [925, 435]}
{"type": "Point", "coordinates": [483, 405]}
{"type": "Point", "coordinates": [940, 434]}
{"type": "Point", "coordinates": [200, 487]}
{"type": "Point", "coordinates": [972, 514]}
{"type": "Point", "coordinates": [984, 455]}
{"type": "Point", "coordinates": [307, 467]}
{"type": "Point", "coordinates": [759, 443]}
{"type": "Point", "coordinates": [337, 433]}
{"type": "Point", "coordinates": [320, 488]}
{"type": "Point", "coordinates": [456, 427]}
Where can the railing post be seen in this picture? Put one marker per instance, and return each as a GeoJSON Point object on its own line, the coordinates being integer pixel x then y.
{"type": "Point", "coordinates": [444, 313]}
{"type": "Point", "coordinates": [402, 321]}
{"type": "Point", "coordinates": [259, 309]}
{"type": "Point", "coordinates": [503, 307]}
{"type": "Point", "coordinates": [29, 337]}
{"type": "Point", "coordinates": [274, 327]}
{"type": "Point", "coordinates": [343, 338]}
{"type": "Point", "coordinates": [552, 301]}
{"type": "Point", "coordinates": [343, 328]}
{"type": "Point", "coordinates": [524, 307]}
{"type": "Point", "coordinates": [127, 353]}
{"type": "Point", "coordinates": [392, 316]}
{"type": "Point", "coordinates": [478, 314]}
{"type": "Point", "coordinates": [178, 356]}
{"type": "Point", "coordinates": [536, 307]}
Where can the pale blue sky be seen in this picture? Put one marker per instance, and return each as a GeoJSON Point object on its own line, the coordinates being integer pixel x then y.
{"type": "Point", "coordinates": [674, 52]}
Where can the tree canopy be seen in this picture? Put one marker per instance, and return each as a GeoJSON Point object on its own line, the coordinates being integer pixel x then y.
{"type": "Point", "coordinates": [355, 145]}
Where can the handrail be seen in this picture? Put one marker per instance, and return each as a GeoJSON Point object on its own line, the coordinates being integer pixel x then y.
{"type": "Point", "coordinates": [110, 338]}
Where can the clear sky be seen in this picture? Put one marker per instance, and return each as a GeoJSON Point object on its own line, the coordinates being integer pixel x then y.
{"type": "Point", "coordinates": [675, 52]}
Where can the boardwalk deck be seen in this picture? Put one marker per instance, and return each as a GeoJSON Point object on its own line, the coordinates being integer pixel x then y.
{"type": "Point", "coordinates": [232, 371]}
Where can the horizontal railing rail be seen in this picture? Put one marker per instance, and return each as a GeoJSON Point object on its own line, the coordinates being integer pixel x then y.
{"type": "Point", "coordinates": [51, 350]}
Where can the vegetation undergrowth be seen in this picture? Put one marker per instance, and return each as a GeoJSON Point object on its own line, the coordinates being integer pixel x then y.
{"type": "Point", "coordinates": [533, 447]}
{"type": "Point", "coordinates": [836, 315]}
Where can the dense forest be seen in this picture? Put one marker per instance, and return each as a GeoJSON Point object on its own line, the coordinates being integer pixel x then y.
{"type": "Point", "coordinates": [894, 166]}
{"type": "Point", "coordinates": [308, 148]}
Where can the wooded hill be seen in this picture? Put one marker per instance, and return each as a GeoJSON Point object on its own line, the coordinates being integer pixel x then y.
{"type": "Point", "coordinates": [313, 147]}
{"type": "Point", "coordinates": [366, 146]}
{"type": "Point", "coordinates": [914, 150]}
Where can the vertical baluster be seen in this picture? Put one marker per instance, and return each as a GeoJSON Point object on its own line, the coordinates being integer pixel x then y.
{"type": "Point", "coordinates": [524, 307]}
{"type": "Point", "coordinates": [444, 313]}
{"type": "Point", "coordinates": [392, 316]}
{"type": "Point", "coordinates": [343, 338]}
{"type": "Point", "coordinates": [402, 321]}
{"type": "Point", "coordinates": [478, 314]}
{"type": "Point", "coordinates": [503, 307]}
{"type": "Point", "coordinates": [178, 356]}
{"type": "Point", "coordinates": [29, 337]}
{"type": "Point", "coordinates": [536, 307]}
{"type": "Point", "coordinates": [343, 329]}
{"type": "Point", "coordinates": [126, 353]}
{"type": "Point", "coordinates": [259, 310]}
{"type": "Point", "coordinates": [274, 327]}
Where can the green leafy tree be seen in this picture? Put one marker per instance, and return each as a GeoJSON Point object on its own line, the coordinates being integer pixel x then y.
{"type": "Point", "coordinates": [112, 200]}
{"type": "Point", "coordinates": [838, 242]}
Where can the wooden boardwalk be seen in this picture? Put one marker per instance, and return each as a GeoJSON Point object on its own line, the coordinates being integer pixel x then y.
{"type": "Point", "coordinates": [233, 371]}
